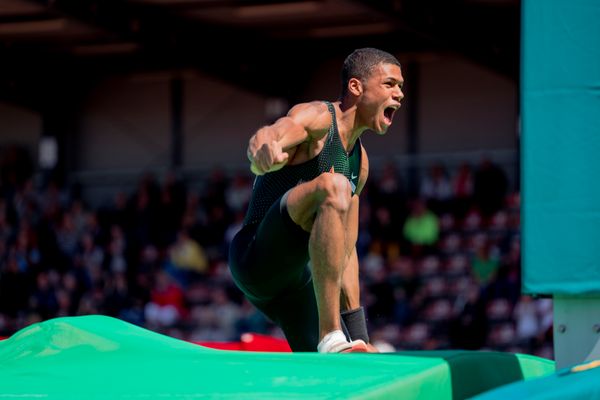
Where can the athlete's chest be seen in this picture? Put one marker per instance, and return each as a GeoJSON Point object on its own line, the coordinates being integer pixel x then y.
{"type": "Point", "coordinates": [307, 151]}
{"type": "Point", "coordinates": [328, 154]}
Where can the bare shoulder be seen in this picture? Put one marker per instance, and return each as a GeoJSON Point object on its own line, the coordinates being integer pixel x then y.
{"type": "Point", "coordinates": [364, 170]}
{"type": "Point", "coordinates": [314, 116]}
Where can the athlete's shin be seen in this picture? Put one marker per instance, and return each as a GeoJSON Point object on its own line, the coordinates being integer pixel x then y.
{"type": "Point", "coordinates": [327, 248]}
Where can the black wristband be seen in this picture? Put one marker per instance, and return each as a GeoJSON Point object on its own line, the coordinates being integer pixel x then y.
{"type": "Point", "coordinates": [356, 324]}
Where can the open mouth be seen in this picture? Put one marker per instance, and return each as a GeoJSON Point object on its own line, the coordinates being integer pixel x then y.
{"type": "Point", "coordinates": [388, 114]}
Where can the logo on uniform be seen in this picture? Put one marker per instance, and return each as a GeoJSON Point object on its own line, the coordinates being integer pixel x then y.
{"type": "Point", "coordinates": [352, 184]}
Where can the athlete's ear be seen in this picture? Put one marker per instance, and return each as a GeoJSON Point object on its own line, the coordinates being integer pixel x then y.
{"type": "Point", "coordinates": [355, 86]}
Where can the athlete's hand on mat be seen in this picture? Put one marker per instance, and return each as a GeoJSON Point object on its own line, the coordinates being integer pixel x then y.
{"type": "Point", "coordinates": [268, 158]}
{"type": "Point", "coordinates": [371, 348]}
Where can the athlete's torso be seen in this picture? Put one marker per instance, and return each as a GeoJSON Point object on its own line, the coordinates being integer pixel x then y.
{"type": "Point", "coordinates": [271, 186]}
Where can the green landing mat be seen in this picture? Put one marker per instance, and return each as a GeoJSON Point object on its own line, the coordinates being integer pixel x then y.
{"type": "Point", "coordinates": [98, 357]}
{"type": "Point", "coordinates": [580, 382]}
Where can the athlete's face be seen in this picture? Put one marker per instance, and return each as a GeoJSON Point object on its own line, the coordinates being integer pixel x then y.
{"type": "Point", "coordinates": [381, 97]}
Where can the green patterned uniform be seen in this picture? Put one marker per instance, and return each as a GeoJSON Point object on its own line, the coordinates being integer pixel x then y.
{"type": "Point", "coordinates": [270, 187]}
{"type": "Point", "coordinates": [269, 256]}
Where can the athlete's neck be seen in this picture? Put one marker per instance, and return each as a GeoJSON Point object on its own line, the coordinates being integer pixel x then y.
{"type": "Point", "coordinates": [348, 126]}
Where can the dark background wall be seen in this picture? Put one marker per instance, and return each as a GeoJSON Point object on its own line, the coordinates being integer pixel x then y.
{"type": "Point", "coordinates": [129, 86]}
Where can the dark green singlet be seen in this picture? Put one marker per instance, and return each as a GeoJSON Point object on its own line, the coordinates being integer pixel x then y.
{"type": "Point", "coordinates": [271, 186]}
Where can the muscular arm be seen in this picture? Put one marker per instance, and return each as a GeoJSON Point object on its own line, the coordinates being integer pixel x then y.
{"type": "Point", "coordinates": [272, 146]}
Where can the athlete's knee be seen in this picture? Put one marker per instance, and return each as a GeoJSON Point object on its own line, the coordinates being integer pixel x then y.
{"type": "Point", "coordinates": [335, 190]}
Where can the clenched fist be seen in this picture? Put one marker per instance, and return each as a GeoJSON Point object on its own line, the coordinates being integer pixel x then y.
{"type": "Point", "coordinates": [268, 158]}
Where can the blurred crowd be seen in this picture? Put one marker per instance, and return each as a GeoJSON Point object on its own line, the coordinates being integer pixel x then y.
{"type": "Point", "coordinates": [440, 268]}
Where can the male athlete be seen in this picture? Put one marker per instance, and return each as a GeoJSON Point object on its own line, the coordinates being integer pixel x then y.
{"type": "Point", "coordinates": [295, 258]}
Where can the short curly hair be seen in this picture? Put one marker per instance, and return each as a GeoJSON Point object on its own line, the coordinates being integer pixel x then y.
{"type": "Point", "coordinates": [360, 63]}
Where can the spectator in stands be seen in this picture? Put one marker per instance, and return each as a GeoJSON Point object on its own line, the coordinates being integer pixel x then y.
{"type": "Point", "coordinates": [6, 229]}
{"type": "Point", "coordinates": [67, 237]}
{"type": "Point", "coordinates": [26, 203]}
{"type": "Point", "coordinates": [485, 263]}
{"type": "Point", "coordinates": [144, 211]}
{"type": "Point", "coordinates": [383, 227]}
{"type": "Point", "coordinates": [166, 306]}
{"type": "Point", "coordinates": [234, 227]}
{"type": "Point", "coordinates": [74, 290]}
{"type": "Point", "coordinates": [462, 190]}
{"type": "Point", "coordinates": [115, 260]}
{"type": "Point", "coordinates": [117, 298]}
{"type": "Point", "coordinates": [490, 187]}
{"type": "Point", "coordinates": [52, 201]}
{"type": "Point", "coordinates": [92, 301]}
{"type": "Point", "coordinates": [26, 249]}
{"type": "Point", "coordinates": [527, 321]}
{"type": "Point", "coordinates": [421, 229]}
{"type": "Point", "coordinates": [436, 189]}
{"type": "Point", "coordinates": [469, 328]}
{"type": "Point", "coordinates": [79, 216]}
{"type": "Point", "coordinates": [237, 195]}
{"type": "Point", "coordinates": [505, 284]}
{"type": "Point", "coordinates": [117, 213]}
{"type": "Point", "coordinates": [194, 217]}
{"type": "Point", "coordinates": [373, 260]}
{"type": "Point", "coordinates": [89, 259]}
{"type": "Point", "coordinates": [15, 287]}
{"type": "Point", "coordinates": [380, 304]}
{"type": "Point", "coordinates": [187, 260]}
{"type": "Point", "coordinates": [43, 300]}
{"type": "Point", "coordinates": [252, 320]}
{"type": "Point", "coordinates": [386, 190]}
{"type": "Point", "coordinates": [403, 275]}
{"type": "Point", "coordinates": [226, 314]}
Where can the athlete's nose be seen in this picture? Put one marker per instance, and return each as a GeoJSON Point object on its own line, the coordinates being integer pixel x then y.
{"type": "Point", "coordinates": [398, 94]}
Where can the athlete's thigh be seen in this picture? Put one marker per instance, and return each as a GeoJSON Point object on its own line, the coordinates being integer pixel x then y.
{"type": "Point", "coordinates": [279, 254]}
{"type": "Point", "coordinates": [304, 200]}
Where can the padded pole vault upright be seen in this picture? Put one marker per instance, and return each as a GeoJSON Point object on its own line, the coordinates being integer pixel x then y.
{"type": "Point", "coordinates": [560, 101]}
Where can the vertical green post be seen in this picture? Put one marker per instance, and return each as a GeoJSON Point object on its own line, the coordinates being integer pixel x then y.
{"type": "Point", "coordinates": [560, 102]}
